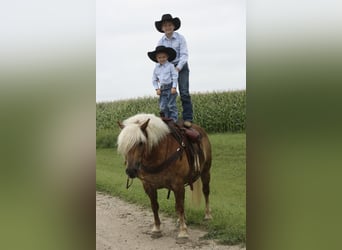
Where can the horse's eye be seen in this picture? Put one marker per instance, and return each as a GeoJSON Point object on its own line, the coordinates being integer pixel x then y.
{"type": "Point", "coordinates": [141, 144]}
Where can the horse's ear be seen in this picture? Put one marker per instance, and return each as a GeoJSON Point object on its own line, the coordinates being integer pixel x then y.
{"type": "Point", "coordinates": [144, 125]}
{"type": "Point", "coordinates": [120, 125]}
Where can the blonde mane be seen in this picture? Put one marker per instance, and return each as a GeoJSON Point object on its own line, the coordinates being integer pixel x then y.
{"type": "Point", "coordinates": [132, 134]}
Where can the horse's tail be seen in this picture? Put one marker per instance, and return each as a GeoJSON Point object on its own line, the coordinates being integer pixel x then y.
{"type": "Point", "coordinates": [196, 192]}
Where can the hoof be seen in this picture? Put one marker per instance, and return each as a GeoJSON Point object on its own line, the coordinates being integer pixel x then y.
{"type": "Point", "coordinates": [156, 229]}
{"type": "Point", "coordinates": [183, 235]}
{"type": "Point", "coordinates": [182, 241]}
{"type": "Point", "coordinates": [156, 232]}
{"type": "Point", "coordinates": [156, 235]}
{"type": "Point", "coordinates": [208, 217]}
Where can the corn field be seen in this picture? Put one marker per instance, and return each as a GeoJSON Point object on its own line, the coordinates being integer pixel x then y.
{"type": "Point", "coordinates": [216, 112]}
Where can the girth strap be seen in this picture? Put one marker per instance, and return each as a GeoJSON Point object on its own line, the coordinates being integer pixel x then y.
{"type": "Point", "coordinates": [191, 147]}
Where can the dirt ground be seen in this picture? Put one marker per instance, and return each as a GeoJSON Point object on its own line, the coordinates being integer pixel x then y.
{"type": "Point", "coordinates": [120, 225]}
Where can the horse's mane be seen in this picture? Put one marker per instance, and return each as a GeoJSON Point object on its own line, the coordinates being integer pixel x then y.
{"type": "Point", "coordinates": [132, 134]}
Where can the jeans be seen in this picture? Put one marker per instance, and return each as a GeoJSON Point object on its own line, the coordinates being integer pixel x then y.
{"type": "Point", "coordinates": [183, 86]}
{"type": "Point", "coordinates": [167, 102]}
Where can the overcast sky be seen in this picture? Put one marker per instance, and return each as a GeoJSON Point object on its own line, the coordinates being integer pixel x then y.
{"type": "Point", "coordinates": [215, 32]}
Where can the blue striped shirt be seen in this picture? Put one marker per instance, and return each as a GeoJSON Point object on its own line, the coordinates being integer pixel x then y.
{"type": "Point", "coordinates": [164, 74]}
{"type": "Point", "coordinates": [178, 43]}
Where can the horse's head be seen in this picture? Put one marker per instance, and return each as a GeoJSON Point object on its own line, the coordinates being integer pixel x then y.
{"type": "Point", "coordinates": [132, 144]}
{"type": "Point", "coordinates": [139, 135]}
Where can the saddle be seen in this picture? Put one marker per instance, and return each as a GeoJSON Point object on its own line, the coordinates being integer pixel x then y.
{"type": "Point", "coordinates": [190, 140]}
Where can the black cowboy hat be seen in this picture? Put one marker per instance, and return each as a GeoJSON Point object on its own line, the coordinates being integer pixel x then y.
{"type": "Point", "coordinates": [167, 17]}
{"type": "Point", "coordinates": [162, 49]}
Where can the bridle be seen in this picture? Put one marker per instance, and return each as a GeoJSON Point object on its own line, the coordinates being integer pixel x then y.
{"type": "Point", "coordinates": [176, 135]}
{"type": "Point", "coordinates": [162, 166]}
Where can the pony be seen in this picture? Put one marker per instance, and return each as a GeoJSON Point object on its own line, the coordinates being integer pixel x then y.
{"type": "Point", "coordinates": [155, 156]}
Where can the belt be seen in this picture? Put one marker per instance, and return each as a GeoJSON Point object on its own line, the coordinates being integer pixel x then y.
{"type": "Point", "coordinates": [166, 86]}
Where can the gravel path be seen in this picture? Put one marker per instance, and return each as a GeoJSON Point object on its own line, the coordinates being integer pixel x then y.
{"type": "Point", "coordinates": [124, 226]}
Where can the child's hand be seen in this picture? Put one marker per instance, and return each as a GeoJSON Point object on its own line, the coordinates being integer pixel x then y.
{"type": "Point", "coordinates": [158, 91]}
{"type": "Point", "coordinates": [173, 90]}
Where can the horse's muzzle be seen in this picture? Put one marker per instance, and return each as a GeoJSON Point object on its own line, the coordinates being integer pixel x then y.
{"type": "Point", "coordinates": [132, 172]}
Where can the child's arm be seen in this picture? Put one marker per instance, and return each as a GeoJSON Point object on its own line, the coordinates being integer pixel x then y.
{"type": "Point", "coordinates": [183, 54]}
{"type": "Point", "coordinates": [155, 82]}
{"type": "Point", "coordinates": [174, 75]}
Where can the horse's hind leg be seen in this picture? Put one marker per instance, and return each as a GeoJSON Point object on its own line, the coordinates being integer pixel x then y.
{"type": "Point", "coordinates": [152, 193]}
{"type": "Point", "coordinates": [179, 196]}
{"type": "Point", "coordinates": [205, 177]}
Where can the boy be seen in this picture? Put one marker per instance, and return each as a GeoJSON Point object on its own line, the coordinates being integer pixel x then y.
{"type": "Point", "coordinates": [165, 80]}
{"type": "Point", "coordinates": [168, 26]}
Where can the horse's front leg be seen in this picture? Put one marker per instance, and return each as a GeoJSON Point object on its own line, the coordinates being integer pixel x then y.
{"type": "Point", "coordinates": [179, 196]}
{"type": "Point", "coordinates": [152, 193]}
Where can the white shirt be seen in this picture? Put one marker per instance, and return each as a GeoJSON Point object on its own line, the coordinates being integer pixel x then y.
{"type": "Point", "coordinates": [178, 43]}
{"type": "Point", "coordinates": [164, 74]}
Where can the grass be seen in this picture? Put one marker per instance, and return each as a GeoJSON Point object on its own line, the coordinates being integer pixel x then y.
{"type": "Point", "coordinates": [216, 112]}
{"type": "Point", "coordinates": [228, 188]}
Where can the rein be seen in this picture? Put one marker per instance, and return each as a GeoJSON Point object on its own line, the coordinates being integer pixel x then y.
{"type": "Point", "coordinates": [165, 164]}
{"type": "Point", "coordinates": [156, 169]}
{"type": "Point", "coordinates": [177, 135]}
{"type": "Point", "coordinates": [172, 158]}
{"type": "Point", "coordinates": [129, 184]}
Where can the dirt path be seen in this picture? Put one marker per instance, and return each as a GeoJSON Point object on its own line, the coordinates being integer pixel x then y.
{"type": "Point", "coordinates": [120, 225]}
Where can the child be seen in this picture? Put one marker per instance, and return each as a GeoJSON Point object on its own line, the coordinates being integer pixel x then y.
{"type": "Point", "coordinates": [169, 25]}
{"type": "Point", "coordinates": [165, 80]}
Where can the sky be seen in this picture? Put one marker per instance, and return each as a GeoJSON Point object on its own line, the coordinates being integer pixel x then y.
{"type": "Point", "coordinates": [215, 32]}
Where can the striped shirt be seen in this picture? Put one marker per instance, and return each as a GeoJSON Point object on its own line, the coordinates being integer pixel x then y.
{"type": "Point", "coordinates": [178, 43]}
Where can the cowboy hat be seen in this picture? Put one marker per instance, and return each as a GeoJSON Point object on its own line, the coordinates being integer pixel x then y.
{"type": "Point", "coordinates": [162, 49]}
{"type": "Point", "coordinates": [167, 17]}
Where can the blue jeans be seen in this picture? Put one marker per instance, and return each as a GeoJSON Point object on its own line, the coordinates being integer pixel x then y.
{"type": "Point", "coordinates": [183, 86]}
{"type": "Point", "coordinates": [167, 102]}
